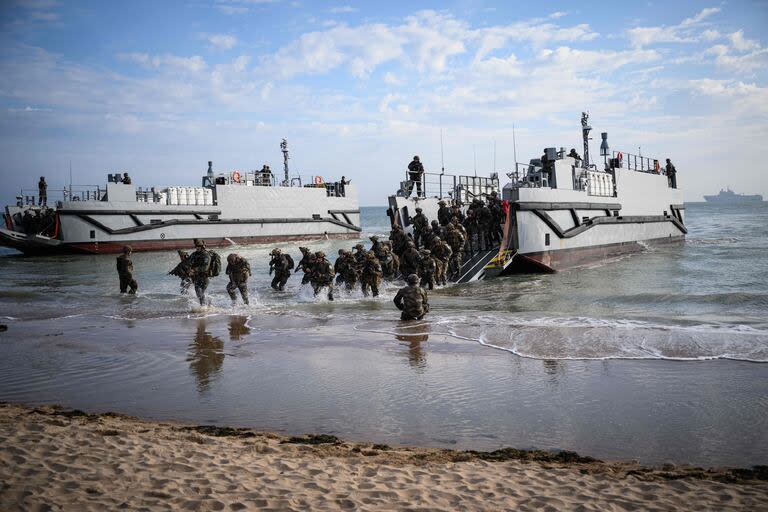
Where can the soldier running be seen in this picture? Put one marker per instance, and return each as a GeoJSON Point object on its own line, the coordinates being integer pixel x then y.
{"type": "Point", "coordinates": [412, 300]}
{"type": "Point", "coordinates": [238, 270]}
{"type": "Point", "coordinates": [399, 240]}
{"type": "Point", "coordinates": [200, 264]}
{"type": "Point", "coordinates": [281, 264]}
{"type": "Point", "coordinates": [410, 260]}
{"type": "Point", "coordinates": [322, 274]}
{"type": "Point", "coordinates": [305, 264]}
{"type": "Point", "coordinates": [371, 274]}
{"type": "Point", "coordinates": [349, 270]}
{"type": "Point", "coordinates": [125, 271]}
{"type": "Point", "coordinates": [183, 271]}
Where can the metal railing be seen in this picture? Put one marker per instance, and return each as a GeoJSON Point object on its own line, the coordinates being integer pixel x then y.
{"type": "Point", "coordinates": [528, 176]}
{"type": "Point", "coordinates": [462, 188]}
{"type": "Point", "coordinates": [30, 197]}
{"type": "Point", "coordinates": [637, 163]}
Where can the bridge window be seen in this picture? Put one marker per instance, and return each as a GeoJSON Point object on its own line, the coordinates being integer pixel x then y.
{"type": "Point", "coordinates": [93, 234]}
{"type": "Point", "coordinates": [546, 239]}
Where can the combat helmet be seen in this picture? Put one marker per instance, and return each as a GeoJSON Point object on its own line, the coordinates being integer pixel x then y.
{"type": "Point", "coordinates": [418, 210]}
{"type": "Point", "coordinates": [127, 249]}
{"type": "Point", "coordinates": [416, 157]}
{"type": "Point", "coordinates": [232, 258]}
{"type": "Point", "coordinates": [373, 238]}
{"type": "Point", "coordinates": [411, 243]}
{"type": "Point", "coordinates": [413, 279]}
{"type": "Point", "coordinates": [275, 251]}
{"type": "Point", "coordinates": [320, 254]}
{"type": "Point", "coordinates": [199, 242]}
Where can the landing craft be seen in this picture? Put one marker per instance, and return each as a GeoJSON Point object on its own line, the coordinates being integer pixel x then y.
{"type": "Point", "coordinates": [561, 211]}
{"type": "Point", "coordinates": [229, 207]}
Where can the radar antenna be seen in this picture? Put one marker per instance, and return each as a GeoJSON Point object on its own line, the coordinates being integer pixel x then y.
{"type": "Point", "coordinates": [284, 149]}
{"type": "Point", "coordinates": [585, 128]}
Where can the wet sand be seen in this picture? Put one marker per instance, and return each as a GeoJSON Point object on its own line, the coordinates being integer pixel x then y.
{"type": "Point", "coordinates": [63, 459]}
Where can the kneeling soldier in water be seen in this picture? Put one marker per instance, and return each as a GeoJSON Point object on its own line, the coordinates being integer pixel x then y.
{"type": "Point", "coordinates": [322, 274]}
{"type": "Point", "coordinates": [238, 271]}
{"type": "Point", "coordinates": [412, 300]}
{"type": "Point", "coordinates": [371, 275]}
{"type": "Point", "coordinates": [125, 271]}
{"type": "Point", "coordinates": [281, 264]}
{"type": "Point", "coordinates": [204, 264]}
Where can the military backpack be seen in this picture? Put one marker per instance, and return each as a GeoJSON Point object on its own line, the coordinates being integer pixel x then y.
{"type": "Point", "coordinates": [215, 268]}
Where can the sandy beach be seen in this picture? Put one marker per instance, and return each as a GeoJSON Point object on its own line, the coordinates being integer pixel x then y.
{"type": "Point", "coordinates": [62, 459]}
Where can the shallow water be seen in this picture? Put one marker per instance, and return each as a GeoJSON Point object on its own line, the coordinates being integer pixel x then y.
{"type": "Point", "coordinates": [658, 356]}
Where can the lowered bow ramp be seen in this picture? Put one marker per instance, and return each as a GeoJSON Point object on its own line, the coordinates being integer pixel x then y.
{"type": "Point", "coordinates": [474, 268]}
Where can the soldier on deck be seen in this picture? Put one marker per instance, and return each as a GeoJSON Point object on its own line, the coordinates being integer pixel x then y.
{"type": "Point", "coordinates": [238, 270]}
{"type": "Point", "coordinates": [671, 174]}
{"type": "Point", "coordinates": [125, 271]}
{"type": "Point", "coordinates": [371, 274]}
{"type": "Point", "coordinates": [412, 300]}
{"type": "Point", "coordinates": [281, 264]}
{"type": "Point", "coordinates": [305, 264]}
{"type": "Point", "coordinates": [419, 223]}
{"type": "Point", "coordinates": [126, 179]}
{"type": "Point", "coordinates": [427, 269]}
{"type": "Point", "coordinates": [322, 274]}
{"type": "Point", "coordinates": [410, 260]}
{"type": "Point", "coordinates": [42, 192]}
{"type": "Point", "coordinates": [574, 154]}
{"type": "Point", "coordinates": [415, 175]}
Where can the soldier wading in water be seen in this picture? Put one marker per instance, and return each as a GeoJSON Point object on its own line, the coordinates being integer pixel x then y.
{"type": "Point", "coordinates": [125, 271]}
{"type": "Point", "coordinates": [203, 265]}
{"type": "Point", "coordinates": [412, 300]}
{"type": "Point", "coordinates": [281, 264]}
{"type": "Point", "coordinates": [238, 271]}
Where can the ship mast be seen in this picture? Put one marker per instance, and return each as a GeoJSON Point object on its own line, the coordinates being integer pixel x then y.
{"type": "Point", "coordinates": [284, 149]}
{"type": "Point", "coordinates": [585, 128]}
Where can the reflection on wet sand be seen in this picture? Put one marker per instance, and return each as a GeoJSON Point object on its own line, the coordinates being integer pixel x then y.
{"type": "Point", "coordinates": [206, 356]}
{"type": "Point", "coordinates": [414, 333]}
{"type": "Point", "coordinates": [238, 327]}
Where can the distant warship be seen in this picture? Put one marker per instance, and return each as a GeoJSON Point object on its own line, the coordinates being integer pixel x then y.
{"type": "Point", "coordinates": [728, 196]}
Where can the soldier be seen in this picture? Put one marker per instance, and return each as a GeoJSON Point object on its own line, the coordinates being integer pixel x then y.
{"type": "Point", "coordinates": [183, 271]}
{"type": "Point", "coordinates": [456, 240]}
{"type": "Point", "coordinates": [415, 173]}
{"type": "Point", "coordinates": [443, 213]}
{"type": "Point", "coordinates": [338, 267]}
{"type": "Point", "coordinates": [322, 274]}
{"type": "Point", "coordinates": [201, 262]}
{"type": "Point", "coordinates": [671, 174]}
{"type": "Point", "coordinates": [350, 272]}
{"type": "Point", "coordinates": [419, 223]}
{"type": "Point", "coordinates": [456, 212]}
{"type": "Point", "coordinates": [359, 255]}
{"type": "Point", "coordinates": [399, 240]}
{"type": "Point", "coordinates": [389, 263]}
{"type": "Point", "coordinates": [376, 246]}
{"type": "Point", "coordinates": [412, 300]}
{"type": "Point", "coordinates": [427, 269]}
{"type": "Point", "coordinates": [371, 274]}
{"type": "Point", "coordinates": [42, 192]}
{"type": "Point", "coordinates": [485, 221]}
{"type": "Point", "coordinates": [305, 264]}
{"type": "Point", "coordinates": [125, 271]}
{"type": "Point", "coordinates": [126, 179]}
{"type": "Point", "coordinates": [437, 229]}
{"type": "Point", "coordinates": [426, 237]}
{"type": "Point", "coordinates": [238, 271]}
{"type": "Point", "coordinates": [442, 253]}
{"type": "Point", "coordinates": [494, 205]}
{"type": "Point", "coordinates": [573, 154]}
{"type": "Point", "coordinates": [410, 260]}
{"type": "Point", "coordinates": [472, 230]}
{"type": "Point", "coordinates": [281, 264]}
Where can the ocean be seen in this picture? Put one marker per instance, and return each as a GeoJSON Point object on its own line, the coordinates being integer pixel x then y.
{"type": "Point", "coordinates": [659, 356]}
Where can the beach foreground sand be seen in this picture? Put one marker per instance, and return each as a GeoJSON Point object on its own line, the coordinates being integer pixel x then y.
{"type": "Point", "coordinates": [60, 459]}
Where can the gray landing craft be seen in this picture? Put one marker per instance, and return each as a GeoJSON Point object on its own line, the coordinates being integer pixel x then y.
{"type": "Point", "coordinates": [229, 207]}
{"type": "Point", "coordinates": [563, 211]}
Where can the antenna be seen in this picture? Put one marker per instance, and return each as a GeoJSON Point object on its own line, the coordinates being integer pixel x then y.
{"type": "Point", "coordinates": [284, 149]}
{"type": "Point", "coordinates": [474, 155]}
{"type": "Point", "coordinates": [514, 145]}
{"type": "Point", "coordinates": [494, 156]}
{"type": "Point", "coordinates": [70, 179]}
{"type": "Point", "coordinates": [442, 160]}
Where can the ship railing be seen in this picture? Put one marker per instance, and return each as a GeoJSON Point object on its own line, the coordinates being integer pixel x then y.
{"type": "Point", "coordinates": [528, 176]}
{"type": "Point", "coordinates": [30, 197]}
{"type": "Point", "coordinates": [637, 163]}
{"type": "Point", "coordinates": [462, 188]}
{"type": "Point", "coordinates": [259, 179]}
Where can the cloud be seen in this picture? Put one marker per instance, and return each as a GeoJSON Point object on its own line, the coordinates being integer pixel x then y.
{"type": "Point", "coordinates": [192, 64]}
{"type": "Point", "coordinates": [223, 41]}
{"type": "Point", "coordinates": [684, 32]}
{"type": "Point", "coordinates": [739, 54]}
{"type": "Point", "coordinates": [343, 9]}
{"type": "Point", "coordinates": [29, 109]}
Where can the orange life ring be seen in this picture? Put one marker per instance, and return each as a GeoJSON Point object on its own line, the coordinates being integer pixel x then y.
{"type": "Point", "coordinates": [319, 180]}
{"type": "Point", "coordinates": [236, 176]}
{"type": "Point", "coordinates": [657, 166]}
{"type": "Point", "coordinates": [620, 156]}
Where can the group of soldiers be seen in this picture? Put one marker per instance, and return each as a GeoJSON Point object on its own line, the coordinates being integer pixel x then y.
{"type": "Point", "coordinates": [197, 268]}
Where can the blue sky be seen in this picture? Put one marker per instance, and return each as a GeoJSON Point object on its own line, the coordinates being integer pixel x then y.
{"type": "Point", "coordinates": [160, 88]}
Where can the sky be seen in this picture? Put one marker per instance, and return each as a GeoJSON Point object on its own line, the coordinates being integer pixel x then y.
{"type": "Point", "coordinates": [159, 88]}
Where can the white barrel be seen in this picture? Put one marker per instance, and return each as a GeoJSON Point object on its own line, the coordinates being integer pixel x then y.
{"type": "Point", "coordinates": [163, 198]}
{"type": "Point", "coordinates": [199, 196]}
{"type": "Point", "coordinates": [182, 196]}
{"type": "Point", "coordinates": [208, 196]}
{"type": "Point", "coordinates": [173, 196]}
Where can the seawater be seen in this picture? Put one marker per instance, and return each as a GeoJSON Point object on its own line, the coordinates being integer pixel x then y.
{"type": "Point", "coordinates": [658, 356]}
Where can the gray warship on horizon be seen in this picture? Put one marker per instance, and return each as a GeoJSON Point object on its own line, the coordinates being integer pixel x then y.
{"type": "Point", "coordinates": [561, 211]}
{"type": "Point", "coordinates": [228, 208]}
{"type": "Point", "coordinates": [728, 196]}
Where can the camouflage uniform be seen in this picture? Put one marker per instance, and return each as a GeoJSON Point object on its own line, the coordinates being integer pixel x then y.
{"type": "Point", "coordinates": [456, 241]}
{"type": "Point", "coordinates": [200, 264]}
{"type": "Point", "coordinates": [305, 264]}
{"type": "Point", "coordinates": [183, 271]}
{"type": "Point", "coordinates": [443, 214]}
{"type": "Point", "coordinates": [412, 300]}
{"type": "Point", "coordinates": [338, 267]}
{"type": "Point", "coordinates": [410, 260]}
{"type": "Point", "coordinates": [389, 263]}
{"type": "Point", "coordinates": [415, 173]}
{"type": "Point", "coordinates": [427, 269]}
{"type": "Point", "coordinates": [238, 270]}
{"type": "Point", "coordinates": [442, 253]}
{"type": "Point", "coordinates": [399, 240]}
{"type": "Point", "coordinates": [485, 220]}
{"type": "Point", "coordinates": [371, 274]}
{"type": "Point", "coordinates": [359, 255]}
{"type": "Point", "coordinates": [377, 247]}
{"type": "Point", "coordinates": [125, 272]}
{"type": "Point", "coordinates": [419, 223]}
{"type": "Point", "coordinates": [427, 236]}
{"type": "Point", "coordinates": [322, 274]}
{"type": "Point", "coordinates": [350, 272]}
{"type": "Point", "coordinates": [281, 264]}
